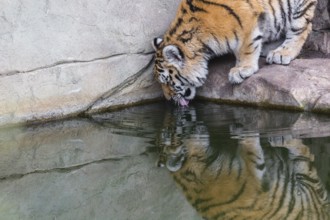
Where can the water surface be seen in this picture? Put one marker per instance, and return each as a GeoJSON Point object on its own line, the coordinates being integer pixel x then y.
{"type": "Point", "coordinates": [163, 162]}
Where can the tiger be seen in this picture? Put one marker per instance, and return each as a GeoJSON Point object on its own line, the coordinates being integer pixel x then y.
{"type": "Point", "coordinates": [203, 29]}
{"type": "Point", "coordinates": [245, 181]}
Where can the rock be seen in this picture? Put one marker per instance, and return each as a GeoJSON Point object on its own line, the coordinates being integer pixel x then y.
{"type": "Point", "coordinates": [59, 57]}
{"type": "Point", "coordinates": [43, 33]}
{"type": "Point", "coordinates": [319, 41]}
{"type": "Point", "coordinates": [322, 15]}
{"type": "Point", "coordinates": [69, 89]}
{"type": "Point", "coordinates": [303, 85]}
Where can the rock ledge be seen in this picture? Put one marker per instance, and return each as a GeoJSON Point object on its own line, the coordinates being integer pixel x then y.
{"type": "Point", "coordinates": [303, 85]}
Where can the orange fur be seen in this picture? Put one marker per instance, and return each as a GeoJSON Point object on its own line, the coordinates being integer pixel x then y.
{"type": "Point", "coordinates": [203, 29]}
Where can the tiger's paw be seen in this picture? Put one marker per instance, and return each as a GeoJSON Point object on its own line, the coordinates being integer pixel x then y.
{"type": "Point", "coordinates": [238, 74]}
{"type": "Point", "coordinates": [280, 56]}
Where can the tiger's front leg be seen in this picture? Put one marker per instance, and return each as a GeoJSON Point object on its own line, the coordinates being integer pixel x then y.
{"type": "Point", "coordinates": [296, 35]}
{"type": "Point", "coordinates": [290, 48]}
{"type": "Point", "coordinates": [246, 60]}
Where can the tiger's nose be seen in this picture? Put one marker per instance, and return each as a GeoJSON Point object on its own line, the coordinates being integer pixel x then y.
{"type": "Point", "coordinates": [187, 92]}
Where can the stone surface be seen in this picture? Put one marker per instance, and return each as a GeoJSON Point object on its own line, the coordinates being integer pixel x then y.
{"type": "Point", "coordinates": [303, 85]}
{"type": "Point", "coordinates": [319, 41]}
{"type": "Point", "coordinates": [322, 17]}
{"type": "Point", "coordinates": [38, 34]}
{"type": "Point", "coordinates": [58, 58]}
{"type": "Point", "coordinates": [67, 89]}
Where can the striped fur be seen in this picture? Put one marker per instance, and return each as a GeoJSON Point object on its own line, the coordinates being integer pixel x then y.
{"type": "Point", "coordinates": [248, 181]}
{"type": "Point", "coordinates": [203, 29]}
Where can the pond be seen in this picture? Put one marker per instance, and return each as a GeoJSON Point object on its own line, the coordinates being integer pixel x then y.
{"type": "Point", "coordinates": [159, 161]}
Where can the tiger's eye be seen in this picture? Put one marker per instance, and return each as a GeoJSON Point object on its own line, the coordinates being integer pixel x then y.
{"type": "Point", "coordinates": [171, 71]}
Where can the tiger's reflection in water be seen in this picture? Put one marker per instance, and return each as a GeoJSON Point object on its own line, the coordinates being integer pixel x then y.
{"type": "Point", "coordinates": [243, 180]}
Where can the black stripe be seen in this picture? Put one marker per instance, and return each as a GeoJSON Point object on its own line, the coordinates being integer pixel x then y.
{"type": "Point", "coordinates": [206, 49]}
{"type": "Point", "coordinates": [283, 191]}
{"type": "Point", "coordinates": [186, 36]}
{"type": "Point", "coordinates": [176, 26]}
{"type": "Point", "coordinates": [183, 10]}
{"type": "Point", "coordinates": [193, 8]}
{"type": "Point", "coordinates": [227, 42]}
{"type": "Point", "coordinates": [254, 50]}
{"type": "Point", "coordinates": [229, 9]}
{"type": "Point", "coordinates": [289, 10]}
{"type": "Point", "coordinates": [189, 176]}
{"type": "Point", "coordinates": [199, 201]}
{"type": "Point", "coordinates": [219, 170]}
{"type": "Point", "coordinates": [183, 186]}
{"type": "Point", "coordinates": [236, 37]}
{"type": "Point", "coordinates": [300, 159]}
{"type": "Point", "coordinates": [311, 193]}
{"type": "Point", "coordinates": [292, 194]}
{"type": "Point", "coordinates": [240, 75]}
{"type": "Point", "coordinates": [259, 37]}
{"type": "Point", "coordinates": [193, 19]}
{"type": "Point", "coordinates": [299, 14]}
{"type": "Point", "coordinates": [182, 78]}
{"type": "Point", "coordinates": [216, 39]}
{"type": "Point", "coordinates": [232, 159]}
{"type": "Point", "coordinates": [178, 78]}
{"type": "Point", "coordinates": [298, 31]}
{"type": "Point", "coordinates": [277, 185]}
{"type": "Point", "coordinates": [159, 69]}
{"type": "Point", "coordinates": [233, 199]}
{"type": "Point", "coordinates": [301, 176]}
{"type": "Point", "coordinates": [178, 89]}
{"type": "Point", "coordinates": [283, 14]}
{"type": "Point", "coordinates": [201, 80]}
{"type": "Point", "coordinates": [273, 12]}
{"type": "Point", "coordinates": [307, 200]}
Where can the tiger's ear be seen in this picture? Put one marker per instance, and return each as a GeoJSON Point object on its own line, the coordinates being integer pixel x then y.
{"type": "Point", "coordinates": [156, 42]}
{"type": "Point", "coordinates": [173, 54]}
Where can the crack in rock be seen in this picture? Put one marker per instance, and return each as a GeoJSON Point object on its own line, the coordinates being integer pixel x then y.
{"type": "Point", "coordinates": [63, 169]}
{"type": "Point", "coordinates": [129, 81]}
{"type": "Point", "coordinates": [66, 62]}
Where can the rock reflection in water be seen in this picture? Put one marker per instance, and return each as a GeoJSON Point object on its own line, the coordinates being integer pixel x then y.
{"type": "Point", "coordinates": [255, 167]}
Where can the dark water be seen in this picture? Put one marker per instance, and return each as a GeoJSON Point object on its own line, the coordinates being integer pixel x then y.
{"type": "Point", "coordinates": [161, 162]}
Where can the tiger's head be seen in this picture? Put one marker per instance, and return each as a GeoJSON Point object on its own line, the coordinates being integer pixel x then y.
{"type": "Point", "coordinates": [178, 73]}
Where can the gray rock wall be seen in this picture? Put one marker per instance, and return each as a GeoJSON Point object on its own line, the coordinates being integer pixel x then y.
{"type": "Point", "coordinates": [319, 39]}
{"type": "Point", "coordinates": [59, 58]}
{"type": "Point", "coordinates": [322, 16]}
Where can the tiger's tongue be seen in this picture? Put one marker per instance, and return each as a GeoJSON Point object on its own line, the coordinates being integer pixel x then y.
{"type": "Point", "coordinates": [183, 102]}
